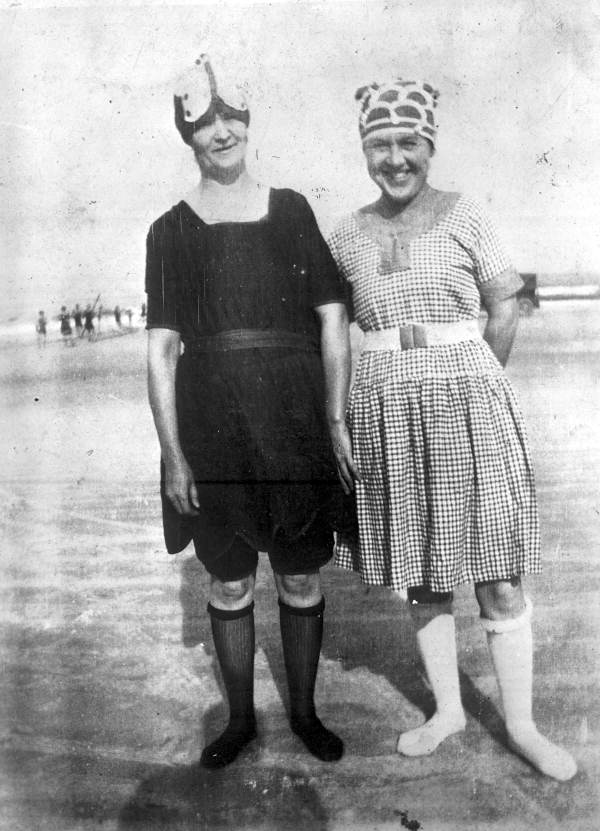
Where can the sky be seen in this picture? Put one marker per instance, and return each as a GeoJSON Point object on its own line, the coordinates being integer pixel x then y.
{"type": "Point", "coordinates": [90, 155]}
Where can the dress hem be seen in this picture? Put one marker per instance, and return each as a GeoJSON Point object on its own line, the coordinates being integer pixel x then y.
{"type": "Point", "coordinates": [397, 587]}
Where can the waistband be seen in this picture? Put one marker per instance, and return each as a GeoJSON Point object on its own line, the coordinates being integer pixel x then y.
{"type": "Point", "coordinates": [419, 335]}
{"type": "Point", "coordinates": [233, 339]}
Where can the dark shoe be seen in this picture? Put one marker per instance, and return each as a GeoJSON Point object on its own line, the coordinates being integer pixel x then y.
{"type": "Point", "coordinates": [226, 748]}
{"type": "Point", "coordinates": [321, 742]}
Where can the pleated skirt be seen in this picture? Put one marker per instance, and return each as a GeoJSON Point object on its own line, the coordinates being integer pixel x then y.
{"type": "Point", "coordinates": [447, 493]}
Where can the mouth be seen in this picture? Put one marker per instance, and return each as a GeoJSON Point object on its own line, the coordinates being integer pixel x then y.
{"type": "Point", "coordinates": [225, 148]}
{"type": "Point", "coordinates": [397, 177]}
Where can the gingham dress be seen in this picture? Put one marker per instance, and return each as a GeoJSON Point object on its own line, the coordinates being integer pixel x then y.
{"type": "Point", "coordinates": [447, 493]}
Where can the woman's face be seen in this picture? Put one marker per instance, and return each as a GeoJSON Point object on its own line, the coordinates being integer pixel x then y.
{"type": "Point", "coordinates": [398, 163]}
{"type": "Point", "coordinates": [220, 148]}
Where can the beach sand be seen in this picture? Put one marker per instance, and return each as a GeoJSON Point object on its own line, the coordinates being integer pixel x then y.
{"type": "Point", "coordinates": [108, 688]}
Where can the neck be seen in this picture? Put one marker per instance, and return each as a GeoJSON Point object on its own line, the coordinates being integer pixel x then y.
{"type": "Point", "coordinates": [218, 189]}
{"type": "Point", "coordinates": [244, 199]}
{"type": "Point", "coordinates": [236, 179]}
{"type": "Point", "coordinates": [390, 208]}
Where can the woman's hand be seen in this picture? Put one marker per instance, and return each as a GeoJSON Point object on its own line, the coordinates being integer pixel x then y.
{"type": "Point", "coordinates": [342, 449]}
{"type": "Point", "coordinates": [180, 487]}
{"type": "Point", "coordinates": [164, 348]}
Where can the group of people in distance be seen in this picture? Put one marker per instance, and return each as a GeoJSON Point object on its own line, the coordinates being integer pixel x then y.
{"type": "Point", "coordinates": [79, 323]}
{"type": "Point", "coordinates": [83, 320]}
{"type": "Point", "coordinates": [420, 473]}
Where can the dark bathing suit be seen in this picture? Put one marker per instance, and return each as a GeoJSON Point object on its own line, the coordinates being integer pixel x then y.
{"type": "Point", "coordinates": [251, 418]}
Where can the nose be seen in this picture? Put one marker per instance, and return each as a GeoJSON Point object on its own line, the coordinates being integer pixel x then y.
{"type": "Point", "coordinates": [221, 129]}
{"type": "Point", "coordinates": [396, 156]}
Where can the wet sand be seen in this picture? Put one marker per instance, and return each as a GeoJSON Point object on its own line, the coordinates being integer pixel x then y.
{"type": "Point", "coordinates": [109, 689]}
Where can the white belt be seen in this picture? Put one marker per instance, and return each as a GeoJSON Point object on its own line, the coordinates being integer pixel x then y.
{"type": "Point", "coordinates": [418, 335]}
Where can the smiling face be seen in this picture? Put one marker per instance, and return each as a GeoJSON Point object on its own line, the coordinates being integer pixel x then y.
{"type": "Point", "coordinates": [398, 163]}
{"type": "Point", "coordinates": [220, 148]}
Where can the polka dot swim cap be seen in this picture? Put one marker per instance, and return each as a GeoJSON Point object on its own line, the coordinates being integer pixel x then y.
{"type": "Point", "coordinates": [405, 105]}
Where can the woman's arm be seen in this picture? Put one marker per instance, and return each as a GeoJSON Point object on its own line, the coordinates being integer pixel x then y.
{"type": "Point", "coordinates": [164, 346]}
{"type": "Point", "coordinates": [335, 352]}
{"type": "Point", "coordinates": [503, 318]}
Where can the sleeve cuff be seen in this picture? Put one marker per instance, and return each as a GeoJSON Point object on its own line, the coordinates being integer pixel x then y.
{"type": "Point", "coordinates": [170, 326]}
{"type": "Point", "coordinates": [502, 286]}
{"type": "Point", "coordinates": [328, 301]}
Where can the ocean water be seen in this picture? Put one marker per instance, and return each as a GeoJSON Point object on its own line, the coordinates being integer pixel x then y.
{"type": "Point", "coordinates": [22, 331]}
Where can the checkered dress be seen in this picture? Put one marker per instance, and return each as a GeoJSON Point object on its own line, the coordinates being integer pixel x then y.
{"type": "Point", "coordinates": [447, 493]}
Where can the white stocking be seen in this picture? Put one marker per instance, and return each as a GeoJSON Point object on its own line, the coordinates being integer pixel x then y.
{"type": "Point", "coordinates": [511, 648]}
{"type": "Point", "coordinates": [437, 645]}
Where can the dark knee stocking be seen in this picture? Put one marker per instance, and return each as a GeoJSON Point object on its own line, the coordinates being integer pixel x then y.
{"type": "Point", "coordinates": [233, 635]}
{"type": "Point", "coordinates": [302, 634]}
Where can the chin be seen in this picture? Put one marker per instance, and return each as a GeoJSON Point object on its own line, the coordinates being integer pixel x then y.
{"type": "Point", "coordinates": [228, 173]}
{"type": "Point", "coordinates": [398, 197]}
{"type": "Point", "coordinates": [237, 165]}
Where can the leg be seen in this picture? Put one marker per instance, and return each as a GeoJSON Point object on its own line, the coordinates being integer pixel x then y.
{"type": "Point", "coordinates": [301, 607]}
{"type": "Point", "coordinates": [231, 610]}
{"type": "Point", "coordinates": [432, 615]}
{"type": "Point", "coordinates": [506, 617]}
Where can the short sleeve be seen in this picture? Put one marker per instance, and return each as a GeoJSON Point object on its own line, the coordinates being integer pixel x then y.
{"type": "Point", "coordinates": [161, 278]}
{"type": "Point", "coordinates": [502, 286]}
{"type": "Point", "coordinates": [495, 275]}
{"type": "Point", "coordinates": [326, 283]}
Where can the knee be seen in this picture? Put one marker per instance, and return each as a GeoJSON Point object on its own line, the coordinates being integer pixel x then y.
{"type": "Point", "coordinates": [231, 595]}
{"type": "Point", "coordinates": [501, 599]}
{"type": "Point", "coordinates": [299, 589]}
{"type": "Point", "coordinates": [298, 585]}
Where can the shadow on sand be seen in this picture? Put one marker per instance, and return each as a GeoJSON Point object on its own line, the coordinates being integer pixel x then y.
{"type": "Point", "coordinates": [365, 628]}
{"type": "Point", "coordinates": [252, 795]}
{"type": "Point", "coordinates": [182, 798]}
{"type": "Point", "coordinates": [370, 627]}
{"type": "Point", "coordinates": [256, 794]}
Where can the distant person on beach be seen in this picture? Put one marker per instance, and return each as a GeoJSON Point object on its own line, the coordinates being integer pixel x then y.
{"type": "Point", "coordinates": [88, 326]}
{"type": "Point", "coordinates": [239, 274]}
{"type": "Point", "coordinates": [447, 493]}
{"type": "Point", "coordinates": [99, 314]}
{"type": "Point", "coordinates": [117, 314]}
{"type": "Point", "coordinates": [78, 320]}
{"type": "Point", "coordinates": [41, 328]}
{"type": "Point", "coordinates": [143, 311]}
{"type": "Point", "coordinates": [65, 327]}
{"type": "Point", "coordinates": [129, 314]}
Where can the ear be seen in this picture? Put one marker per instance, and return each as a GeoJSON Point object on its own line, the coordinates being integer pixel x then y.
{"type": "Point", "coordinates": [430, 145]}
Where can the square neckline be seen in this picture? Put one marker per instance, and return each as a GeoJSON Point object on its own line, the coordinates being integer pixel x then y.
{"type": "Point", "coordinates": [440, 221]}
{"type": "Point", "coordinates": [196, 218]}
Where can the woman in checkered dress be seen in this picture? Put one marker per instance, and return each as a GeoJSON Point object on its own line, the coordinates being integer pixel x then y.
{"type": "Point", "coordinates": [446, 491]}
